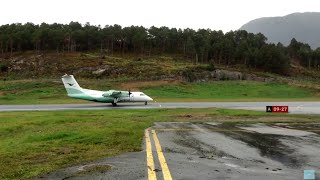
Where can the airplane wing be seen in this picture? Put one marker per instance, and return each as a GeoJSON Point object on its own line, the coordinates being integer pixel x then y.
{"type": "Point", "coordinates": [114, 93]}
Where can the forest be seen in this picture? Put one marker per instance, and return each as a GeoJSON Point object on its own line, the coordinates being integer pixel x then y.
{"type": "Point", "coordinates": [200, 46]}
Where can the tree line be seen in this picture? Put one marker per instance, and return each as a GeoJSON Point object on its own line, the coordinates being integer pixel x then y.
{"type": "Point", "coordinates": [201, 46]}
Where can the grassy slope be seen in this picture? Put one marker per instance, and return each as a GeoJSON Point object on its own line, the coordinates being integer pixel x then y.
{"type": "Point", "coordinates": [130, 67]}
{"type": "Point", "coordinates": [32, 143]}
{"type": "Point", "coordinates": [52, 91]}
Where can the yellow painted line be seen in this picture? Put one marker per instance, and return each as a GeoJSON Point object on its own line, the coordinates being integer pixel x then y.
{"type": "Point", "coordinates": [150, 163]}
{"type": "Point", "coordinates": [162, 160]}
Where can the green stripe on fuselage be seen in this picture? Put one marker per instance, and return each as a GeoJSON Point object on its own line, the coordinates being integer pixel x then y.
{"type": "Point", "coordinates": [78, 94]}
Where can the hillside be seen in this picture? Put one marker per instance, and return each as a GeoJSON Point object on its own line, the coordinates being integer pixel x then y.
{"type": "Point", "coordinates": [92, 65]}
{"type": "Point", "coordinates": [132, 68]}
{"type": "Point", "coordinates": [28, 65]}
{"type": "Point", "coordinates": [36, 78]}
{"type": "Point", "coordinates": [305, 27]}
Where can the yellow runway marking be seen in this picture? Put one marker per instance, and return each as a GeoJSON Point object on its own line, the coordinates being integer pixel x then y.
{"type": "Point", "coordinates": [162, 160]}
{"type": "Point", "coordinates": [150, 163]}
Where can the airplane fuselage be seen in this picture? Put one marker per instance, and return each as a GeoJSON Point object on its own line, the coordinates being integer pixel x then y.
{"type": "Point", "coordinates": [97, 96]}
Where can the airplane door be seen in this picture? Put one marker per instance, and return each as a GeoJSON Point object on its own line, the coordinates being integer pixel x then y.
{"type": "Point", "coordinates": [131, 98]}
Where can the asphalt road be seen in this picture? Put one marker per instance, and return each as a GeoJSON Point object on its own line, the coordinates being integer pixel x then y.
{"type": "Point", "coordinates": [212, 151]}
{"type": "Point", "coordinates": [294, 107]}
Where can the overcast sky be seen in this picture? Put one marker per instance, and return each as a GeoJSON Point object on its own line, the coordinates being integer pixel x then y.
{"type": "Point", "coordinates": [223, 15]}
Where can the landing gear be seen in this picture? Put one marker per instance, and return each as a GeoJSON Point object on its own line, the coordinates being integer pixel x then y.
{"type": "Point", "coordinates": [146, 103]}
{"type": "Point", "coordinates": [114, 103]}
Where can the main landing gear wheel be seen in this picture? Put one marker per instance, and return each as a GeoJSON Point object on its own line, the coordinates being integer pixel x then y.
{"type": "Point", "coordinates": [114, 104]}
{"type": "Point", "coordinates": [146, 103]}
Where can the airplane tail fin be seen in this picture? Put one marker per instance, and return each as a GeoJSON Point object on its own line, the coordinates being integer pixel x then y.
{"type": "Point", "coordinates": [71, 85]}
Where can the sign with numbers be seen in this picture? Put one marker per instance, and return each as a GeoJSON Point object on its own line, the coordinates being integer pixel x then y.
{"type": "Point", "coordinates": [281, 109]}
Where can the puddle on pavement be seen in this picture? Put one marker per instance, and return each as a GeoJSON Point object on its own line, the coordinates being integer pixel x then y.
{"type": "Point", "coordinates": [172, 125]}
{"type": "Point", "coordinates": [276, 130]}
{"type": "Point", "coordinates": [308, 127]}
{"type": "Point", "coordinates": [202, 150]}
{"type": "Point", "coordinates": [91, 169]}
{"type": "Point", "coordinates": [269, 145]}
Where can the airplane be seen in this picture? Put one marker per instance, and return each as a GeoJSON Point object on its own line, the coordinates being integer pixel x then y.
{"type": "Point", "coordinates": [111, 96]}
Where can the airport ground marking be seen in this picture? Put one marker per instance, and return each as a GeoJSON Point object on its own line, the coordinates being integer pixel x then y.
{"type": "Point", "coordinates": [164, 166]}
{"type": "Point", "coordinates": [150, 163]}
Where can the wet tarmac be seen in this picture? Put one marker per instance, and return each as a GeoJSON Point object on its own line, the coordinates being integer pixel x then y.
{"type": "Point", "coordinates": [213, 151]}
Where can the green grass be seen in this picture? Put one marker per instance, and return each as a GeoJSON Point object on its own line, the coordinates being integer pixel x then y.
{"type": "Point", "coordinates": [231, 91]}
{"type": "Point", "coordinates": [33, 143]}
{"type": "Point", "coordinates": [52, 91]}
{"type": "Point", "coordinates": [41, 91]}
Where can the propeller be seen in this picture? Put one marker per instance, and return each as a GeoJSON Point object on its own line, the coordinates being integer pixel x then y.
{"type": "Point", "coordinates": [129, 93]}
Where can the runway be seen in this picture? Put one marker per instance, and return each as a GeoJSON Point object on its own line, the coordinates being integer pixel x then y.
{"type": "Point", "coordinates": [294, 107]}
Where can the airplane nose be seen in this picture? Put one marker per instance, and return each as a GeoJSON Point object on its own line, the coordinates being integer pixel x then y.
{"type": "Point", "coordinates": [150, 99]}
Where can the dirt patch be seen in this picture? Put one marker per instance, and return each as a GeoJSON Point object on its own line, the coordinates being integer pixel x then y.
{"type": "Point", "coordinates": [139, 84]}
{"type": "Point", "coordinates": [185, 116]}
{"type": "Point", "coordinates": [2, 93]}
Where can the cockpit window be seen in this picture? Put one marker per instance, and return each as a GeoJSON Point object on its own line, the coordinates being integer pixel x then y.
{"type": "Point", "coordinates": [142, 94]}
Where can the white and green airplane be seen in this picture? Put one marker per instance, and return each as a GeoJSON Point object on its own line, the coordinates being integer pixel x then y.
{"type": "Point", "coordinates": [111, 96]}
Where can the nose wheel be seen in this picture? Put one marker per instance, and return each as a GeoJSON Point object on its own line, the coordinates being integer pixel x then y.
{"type": "Point", "coordinates": [146, 103]}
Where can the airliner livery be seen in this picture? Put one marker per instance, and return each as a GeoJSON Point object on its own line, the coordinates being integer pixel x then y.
{"type": "Point", "coordinates": [111, 96]}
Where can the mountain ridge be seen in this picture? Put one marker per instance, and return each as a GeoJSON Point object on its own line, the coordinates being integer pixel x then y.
{"type": "Point", "coordinates": [304, 27]}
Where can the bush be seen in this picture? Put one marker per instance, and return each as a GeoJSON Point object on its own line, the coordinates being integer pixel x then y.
{"type": "Point", "coordinates": [211, 66]}
{"type": "Point", "coordinates": [4, 68]}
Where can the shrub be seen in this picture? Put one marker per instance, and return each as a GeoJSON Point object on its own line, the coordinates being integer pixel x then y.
{"type": "Point", "coordinates": [4, 68]}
